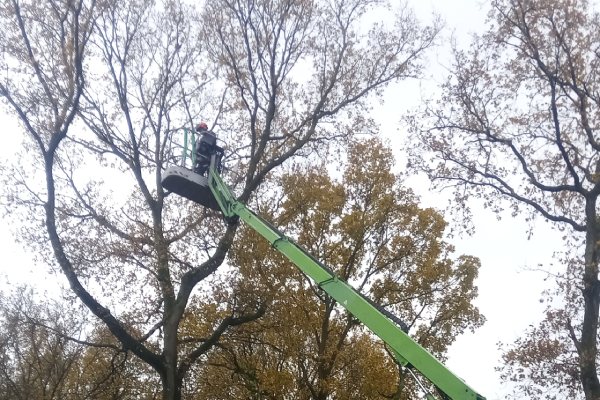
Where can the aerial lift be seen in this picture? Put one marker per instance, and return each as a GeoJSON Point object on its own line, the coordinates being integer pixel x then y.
{"type": "Point", "coordinates": [203, 185]}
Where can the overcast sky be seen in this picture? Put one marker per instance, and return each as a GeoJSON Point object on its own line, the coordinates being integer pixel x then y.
{"type": "Point", "coordinates": [509, 288]}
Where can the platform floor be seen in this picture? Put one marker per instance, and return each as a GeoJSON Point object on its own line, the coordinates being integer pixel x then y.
{"type": "Point", "coordinates": [190, 185]}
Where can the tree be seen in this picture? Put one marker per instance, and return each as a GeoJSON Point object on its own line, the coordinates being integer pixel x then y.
{"type": "Point", "coordinates": [112, 372]}
{"type": "Point", "coordinates": [34, 363]}
{"type": "Point", "coordinates": [372, 233]}
{"type": "Point", "coordinates": [544, 362]}
{"type": "Point", "coordinates": [517, 121]}
{"type": "Point", "coordinates": [101, 89]}
{"type": "Point", "coordinates": [46, 353]}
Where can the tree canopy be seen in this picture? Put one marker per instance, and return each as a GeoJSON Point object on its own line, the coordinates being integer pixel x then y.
{"type": "Point", "coordinates": [103, 89]}
{"type": "Point", "coordinates": [50, 352]}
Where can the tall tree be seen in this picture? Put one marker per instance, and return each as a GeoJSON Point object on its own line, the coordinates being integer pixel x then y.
{"type": "Point", "coordinates": [372, 233]}
{"type": "Point", "coordinates": [101, 89]}
{"type": "Point", "coordinates": [518, 121]}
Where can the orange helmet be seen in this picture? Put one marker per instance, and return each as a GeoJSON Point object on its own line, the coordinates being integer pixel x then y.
{"type": "Point", "coordinates": [201, 127]}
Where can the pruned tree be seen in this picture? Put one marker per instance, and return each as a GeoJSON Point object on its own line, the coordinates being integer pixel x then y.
{"type": "Point", "coordinates": [102, 89]}
{"type": "Point", "coordinates": [518, 122]}
{"type": "Point", "coordinates": [371, 231]}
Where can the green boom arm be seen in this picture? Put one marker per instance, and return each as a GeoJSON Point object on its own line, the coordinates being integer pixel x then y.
{"type": "Point", "coordinates": [408, 352]}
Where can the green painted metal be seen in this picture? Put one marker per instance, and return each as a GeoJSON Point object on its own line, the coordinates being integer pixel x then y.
{"type": "Point", "coordinates": [189, 147]}
{"type": "Point", "coordinates": [193, 148]}
{"type": "Point", "coordinates": [184, 152]}
{"type": "Point", "coordinates": [409, 353]}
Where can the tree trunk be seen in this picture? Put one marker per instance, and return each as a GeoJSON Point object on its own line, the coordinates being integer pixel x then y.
{"type": "Point", "coordinates": [588, 348]}
{"type": "Point", "coordinates": [171, 381]}
{"type": "Point", "coordinates": [400, 385]}
{"type": "Point", "coordinates": [171, 384]}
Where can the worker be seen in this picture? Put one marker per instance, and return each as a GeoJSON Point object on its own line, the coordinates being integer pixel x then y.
{"type": "Point", "coordinates": [205, 147]}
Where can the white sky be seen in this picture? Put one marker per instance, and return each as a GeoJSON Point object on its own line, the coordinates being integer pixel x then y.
{"type": "Point", "coordinates": [509, 290]}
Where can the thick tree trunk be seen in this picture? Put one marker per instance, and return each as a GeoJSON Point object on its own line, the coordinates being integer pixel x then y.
{"type": "Point", "coordinates": [588, 349]}
{"type": "Point", "coordinates": [171, 384]}
{"type": "Point", "coordinates": [171, 381]}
